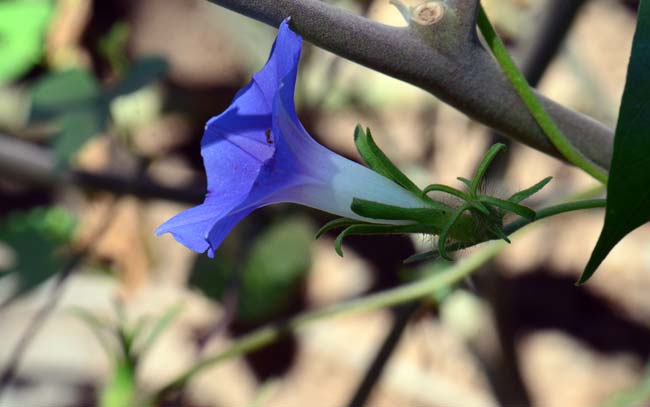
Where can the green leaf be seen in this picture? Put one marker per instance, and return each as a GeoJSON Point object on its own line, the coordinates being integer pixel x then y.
{"type": "Point", "coordinates": [36, 238]}
{"type": "Point", "coordinates": [113, 47]}
{"type": "Point", "coordinates": [528, 192]}
{"type": "Point", "coordinates": [159, 327]}
{"type": "Point", "coordinates": [22, 28]}
{"type": "Point", "coordinates": [77, 127]}
{"type": "Point", "coordinates": [278, 260]}
{"type": "Point", "coordinates": [99, 328]}
{"type": "Point", "coordinates": [628, 190]}
{"type": "Point", "coordinates": [379, 162]}
{"type": "Point", "coordinates": [63, 91]}
{"type": "Point", "coordinates": [120, 391]}
{"type": "Point", "coordinates": [143, 72]}
{"type": "Point", "coordinates": [75, 99]}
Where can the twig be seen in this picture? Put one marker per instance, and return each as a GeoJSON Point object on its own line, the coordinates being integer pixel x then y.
{"type": "Point", "coordinates": [23, 161]}
{"type": "Point", "coordinates": [35, 325]}
{"type": "Point", "coordinates": [230, 307]}
{"type": "Point", "coordinates": [549, 38]}
{"type": "Point", "coordinates": [374, 371]}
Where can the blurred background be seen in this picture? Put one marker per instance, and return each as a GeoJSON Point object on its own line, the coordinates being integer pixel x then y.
{"type": "Point", "coordinates": [102, 106]}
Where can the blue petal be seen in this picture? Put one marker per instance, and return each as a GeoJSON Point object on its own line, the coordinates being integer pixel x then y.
{"type": "Point", "coordinates": [237, 145]}
{"type": "Point", "coordinates": [189, 227]}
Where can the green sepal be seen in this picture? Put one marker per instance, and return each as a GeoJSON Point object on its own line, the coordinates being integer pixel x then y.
{"type": "Point", "coordinates": [465, 181]}
{"type": "Point", "coordinates": [459, 194]}
{"type": "Point", "coordinates": [337, 223]}
{"type": "Point", "coordinates": [445, 188]}
{"type": "Point", "coordinates": [483, 166]}
{"type": "Point", "coordinates": [377, 210]}
{"type": "Point", "coordinates": [379, 162]}
{"type": "Point", "coordinates": [526, 193]}
{"type": "Point", "coordinates": [372, 229]}
{"type": "Point", "coordinates": [521, 210]}
{"type": "Point", "coordinates": [445, 232]}
{"type": "Point", "coordinates": [498, 232]}
{"type": "Point", "coordinates": [436, 216]}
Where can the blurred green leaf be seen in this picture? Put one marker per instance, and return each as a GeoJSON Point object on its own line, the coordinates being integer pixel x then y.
{"type": "Point", "coordinates": [77, 127]}
{"type": "Point", "coordinates": [159, 327]}
{"type": "Point", "coordinates": [81, 108]}
{"type": "Point", "coordinates": [64, 91]}
{"type": "Point", "coordinates": [636, 396]}
{"type": "Point", "coordinates": [36, 238]}
{"type": "Point", "coordinates": [143, 72]}
{"type": "Point", "coordinates": [113, 47]}
{"type": "Point", "coordinates": [278, 259]}
{"type": "Point", "coordinates": [22, 27]}
{"type": "Point", "coordinates": [120, 391]}
{"type": "Point", "coordinates": [628, 189]}
{"type": "Point", "coordinates": [99, 328]}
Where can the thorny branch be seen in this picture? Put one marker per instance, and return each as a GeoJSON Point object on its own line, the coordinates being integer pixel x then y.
{"type": "Point", "coordinates": [456, 69]}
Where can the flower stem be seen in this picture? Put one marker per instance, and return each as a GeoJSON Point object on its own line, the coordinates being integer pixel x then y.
{"type": "Point", "coordinates": [555, 135]}
{"type": "Point", "coordinates": [405, 293]}
{"type": "Point", "coordinates": [556, 210]}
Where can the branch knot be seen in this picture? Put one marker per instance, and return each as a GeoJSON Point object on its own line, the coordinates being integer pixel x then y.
{"type": "Point", "coordinates": [428, 13]}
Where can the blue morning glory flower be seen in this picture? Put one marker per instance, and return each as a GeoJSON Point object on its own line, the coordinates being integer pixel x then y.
{"type": "Point", "coordinates": [257, 153]}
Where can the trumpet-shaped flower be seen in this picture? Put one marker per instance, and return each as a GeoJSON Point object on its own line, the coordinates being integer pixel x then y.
{"type": "Point", "coordinates": [257, 153]}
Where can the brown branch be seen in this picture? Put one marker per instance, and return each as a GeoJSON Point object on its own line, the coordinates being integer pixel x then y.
{"type": "Point", "coordinates": [456, 69]}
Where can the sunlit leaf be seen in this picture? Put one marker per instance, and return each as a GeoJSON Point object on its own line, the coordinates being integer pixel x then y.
{"type": "Point", "coordinates": [22, 28]}
{"type": "Point", "coordinates": [120, 390]}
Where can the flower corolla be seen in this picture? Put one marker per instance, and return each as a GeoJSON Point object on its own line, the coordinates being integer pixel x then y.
{"type": "Point", "coordinates": [257, 153]}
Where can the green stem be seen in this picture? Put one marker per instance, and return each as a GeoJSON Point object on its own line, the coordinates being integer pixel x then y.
{"type": "Point", "coordinates": [556, 210]}
{"type": "Point", "coordinates": [533, 104]}
{"type": "Point", "coordinates": [405, 293]}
